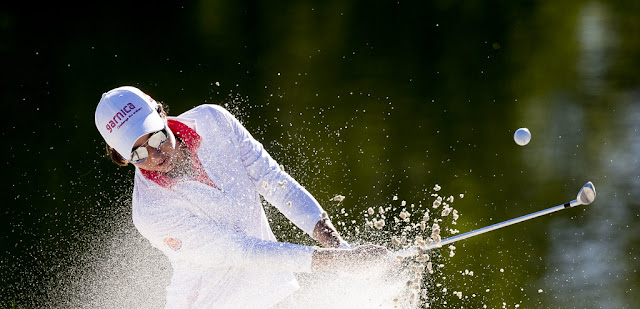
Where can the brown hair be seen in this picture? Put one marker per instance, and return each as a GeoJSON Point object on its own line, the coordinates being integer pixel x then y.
{"type": "Point", "coordinates": [162, 109]}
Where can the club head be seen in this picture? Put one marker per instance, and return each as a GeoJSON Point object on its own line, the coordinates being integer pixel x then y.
{"type": "Point", "coordinates": [587, 194]}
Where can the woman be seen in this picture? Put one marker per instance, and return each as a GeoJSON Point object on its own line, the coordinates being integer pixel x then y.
{"type": "Point", "coordinates": [196, 197]}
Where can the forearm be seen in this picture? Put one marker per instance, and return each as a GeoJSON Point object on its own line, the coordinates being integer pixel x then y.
{"type": "Point", "coordinates": [181, 235]}
{"type": "Point", "coordinates": [293, 201]}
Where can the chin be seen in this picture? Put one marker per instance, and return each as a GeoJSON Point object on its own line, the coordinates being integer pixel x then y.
{"type": "Point", "coordinates": [167, 166]}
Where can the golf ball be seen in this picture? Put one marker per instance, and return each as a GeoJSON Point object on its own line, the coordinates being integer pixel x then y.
{"type": "Point", "coordinates": [522, 136]}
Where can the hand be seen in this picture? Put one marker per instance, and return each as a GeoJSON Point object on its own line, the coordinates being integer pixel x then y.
{"type": "Point", "coordinates": [349, 259]}
{"type": "Point", "coordinates": [325, 233]}
{"type": "Point", "coordinates": [367, 253]}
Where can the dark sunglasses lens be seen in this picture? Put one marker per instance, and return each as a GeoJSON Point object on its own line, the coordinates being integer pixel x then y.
{"type": "Point", "coordinates": [157, 139]}
{"type": "Point", "coordinates": [139, 155]}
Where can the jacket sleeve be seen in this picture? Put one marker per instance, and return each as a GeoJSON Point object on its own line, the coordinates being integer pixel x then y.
{"type": "Point", "coordinates": [170, 226]}
{"type": "Point", "coordinates": [274, 184]}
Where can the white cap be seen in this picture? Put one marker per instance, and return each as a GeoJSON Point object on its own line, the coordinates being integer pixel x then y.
{"type": "Point", "coordinates": [123, 115]}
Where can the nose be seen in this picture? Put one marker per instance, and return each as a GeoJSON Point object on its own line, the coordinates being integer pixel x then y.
{"type": "Point", "coordinates": [155, 154]}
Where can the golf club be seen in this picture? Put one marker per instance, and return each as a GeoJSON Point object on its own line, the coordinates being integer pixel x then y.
{"type": "Point", "coordinates": [585, 197]}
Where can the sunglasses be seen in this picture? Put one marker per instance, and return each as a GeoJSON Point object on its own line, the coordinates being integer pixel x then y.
{"type": "Point", "coordinates": [140, 153]}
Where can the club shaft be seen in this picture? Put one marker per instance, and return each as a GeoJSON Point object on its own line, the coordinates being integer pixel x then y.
{"type": "Point", "coordinates": [497, 226]}
{"type": "Point", "coordinates": [414, 250]}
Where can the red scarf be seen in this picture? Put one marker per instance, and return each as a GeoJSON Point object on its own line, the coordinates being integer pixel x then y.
{"type": "Point", "coordinates": [192, 140]}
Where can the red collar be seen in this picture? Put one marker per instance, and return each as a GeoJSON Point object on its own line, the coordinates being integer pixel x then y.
{"type": "Point", "coordinates": [192, 140]}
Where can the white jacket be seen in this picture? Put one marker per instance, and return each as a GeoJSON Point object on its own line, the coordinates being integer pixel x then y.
{"type": "Point", "coordinates": [213, 228]}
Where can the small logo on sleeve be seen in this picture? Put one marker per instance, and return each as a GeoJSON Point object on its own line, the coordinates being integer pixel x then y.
{"type": "Point", "coordinates": [173, 243]}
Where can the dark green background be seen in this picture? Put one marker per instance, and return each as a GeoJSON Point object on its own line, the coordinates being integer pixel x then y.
{"type": "Point", "coordinates": [368, 99]}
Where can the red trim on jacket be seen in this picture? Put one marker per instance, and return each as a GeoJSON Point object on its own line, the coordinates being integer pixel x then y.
{"type": "Point", "coordinates": [192, 140]}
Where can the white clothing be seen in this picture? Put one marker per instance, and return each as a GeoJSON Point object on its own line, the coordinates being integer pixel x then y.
{"type": "Point", "coordinates": [215, 232]}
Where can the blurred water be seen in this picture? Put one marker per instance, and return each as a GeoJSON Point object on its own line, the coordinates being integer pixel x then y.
{"type": "Point", "coordinates": [589, 265]}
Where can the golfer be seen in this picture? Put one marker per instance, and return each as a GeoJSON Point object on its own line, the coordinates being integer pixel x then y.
{"type": "Point", "coordinates": [196, 197]}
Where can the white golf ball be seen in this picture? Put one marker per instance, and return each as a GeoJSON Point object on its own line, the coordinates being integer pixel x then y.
{"type": "Point", "coordinates": [522, 136]}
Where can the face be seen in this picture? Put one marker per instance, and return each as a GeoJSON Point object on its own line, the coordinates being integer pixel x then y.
{"type": "Point", "coordinates": [163, 159]}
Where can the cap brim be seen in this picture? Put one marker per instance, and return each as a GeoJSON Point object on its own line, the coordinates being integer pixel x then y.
{"type": "Point", "coordinates": [151, 123]}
